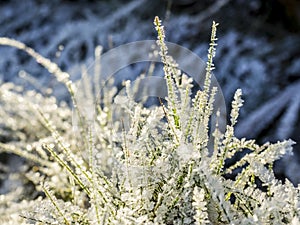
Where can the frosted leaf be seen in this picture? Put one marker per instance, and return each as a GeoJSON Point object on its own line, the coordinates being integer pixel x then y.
{"type": "Point", "coordinates": [236, 105]}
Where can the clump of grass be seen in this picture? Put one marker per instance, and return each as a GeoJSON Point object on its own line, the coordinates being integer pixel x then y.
{"type": "Point", "coordinates": [155, 169]}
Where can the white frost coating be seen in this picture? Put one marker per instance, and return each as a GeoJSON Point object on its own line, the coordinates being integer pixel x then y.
{"type": "Point", "coordinates": [241, 61]}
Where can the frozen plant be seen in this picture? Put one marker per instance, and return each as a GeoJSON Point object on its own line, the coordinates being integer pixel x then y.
{"type": "Point", "coordinates": [136, 165]}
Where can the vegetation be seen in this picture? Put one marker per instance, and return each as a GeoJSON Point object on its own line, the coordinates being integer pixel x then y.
{"type": "Point", "coordinates": [137, 165]}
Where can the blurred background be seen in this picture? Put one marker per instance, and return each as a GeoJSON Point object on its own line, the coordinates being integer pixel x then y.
{"type": "Point", "coordinates": [258, 51]}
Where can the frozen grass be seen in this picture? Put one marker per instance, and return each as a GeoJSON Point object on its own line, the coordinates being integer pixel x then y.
{"type": "Point", "coordinates": [136, 165]}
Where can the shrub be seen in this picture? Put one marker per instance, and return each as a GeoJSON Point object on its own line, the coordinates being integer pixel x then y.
{"type": "Point", "coordinates": [137, 165]}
